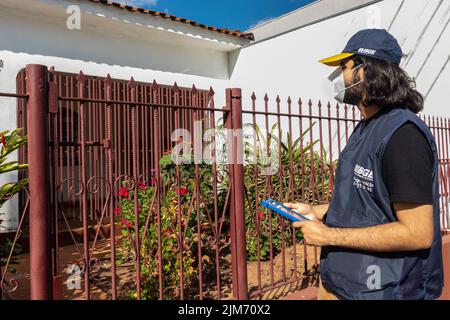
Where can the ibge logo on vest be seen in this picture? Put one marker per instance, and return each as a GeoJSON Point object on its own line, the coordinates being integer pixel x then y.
{"type": "Point", "coordinates": [363, 178]}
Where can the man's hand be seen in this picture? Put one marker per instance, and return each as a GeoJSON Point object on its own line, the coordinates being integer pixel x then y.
{"type": "Point", "coordinates": [315, 233]}
{"type": "Point", "coordinates": [307, 210]}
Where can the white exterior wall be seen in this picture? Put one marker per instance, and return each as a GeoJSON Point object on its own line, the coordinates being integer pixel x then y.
{"type": "Point", "coordinates": [288, 64]}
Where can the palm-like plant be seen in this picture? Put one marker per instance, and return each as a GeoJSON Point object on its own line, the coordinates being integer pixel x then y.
{"type": "Point", "coordinates": [11, 142]}
{"type": "Point", "coordinates": [300, 174]}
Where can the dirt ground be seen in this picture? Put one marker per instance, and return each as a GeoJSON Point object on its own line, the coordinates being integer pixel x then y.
{"type": "Point", "coordinates": [100, 279]}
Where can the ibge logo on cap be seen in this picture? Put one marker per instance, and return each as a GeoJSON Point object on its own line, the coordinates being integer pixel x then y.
{"type": "Point", "coordinates": [367, 51]}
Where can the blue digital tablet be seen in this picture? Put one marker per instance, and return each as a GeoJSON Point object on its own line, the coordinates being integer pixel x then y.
{"type": "Point", "coordinates": [285, 212]}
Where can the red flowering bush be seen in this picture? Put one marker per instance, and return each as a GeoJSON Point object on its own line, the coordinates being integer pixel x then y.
{"type": "Point", "coordinates": [172, 199]}
{"type": "Point", "coordinates": [148, 239]}
{"type": "Point", "coordinates": [124, 193]}
{"type": "Point", "coordinates": [181, 191]}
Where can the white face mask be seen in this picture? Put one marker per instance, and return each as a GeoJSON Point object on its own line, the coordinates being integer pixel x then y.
{"type": "Point", "coordinates": [338, 82]}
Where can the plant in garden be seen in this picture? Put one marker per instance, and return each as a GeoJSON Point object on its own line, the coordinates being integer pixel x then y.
{"type": "Point", "coordinates": [174, 198]}
{"type": "Point", "coordinates": [296, 181]}
{"type": "Point", "coordinates": [10, 141]}
{"type": "Point", "coordinates": [5, 251]}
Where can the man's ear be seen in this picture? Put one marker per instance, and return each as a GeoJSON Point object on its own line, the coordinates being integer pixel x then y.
{"type": "Point", "coordinates": [361, 72]}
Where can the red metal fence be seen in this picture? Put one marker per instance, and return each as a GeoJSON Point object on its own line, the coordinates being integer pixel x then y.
{"type": "Point", "coordinates": [128, 222]}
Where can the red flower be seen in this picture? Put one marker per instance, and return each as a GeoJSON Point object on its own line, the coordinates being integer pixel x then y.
{"type": "Point", "coordinates": [3, 141]}
{"type": "Point", "coordinates": [141, 186]}
{"type": "Point", "coordinates": [126, 223]}
{"type": "Point", "coordinates": [153, 182]}
{"type": "Point", "coordinates": [123, 192]}
{"type": "Point", "coordinates": [261, 215]}
{"type": "Point", "coordinates": [116, 211]}
{"type": "Point", "coordinates": [182, 191]}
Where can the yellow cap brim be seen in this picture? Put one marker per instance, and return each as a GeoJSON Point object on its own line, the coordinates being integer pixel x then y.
{"type": "Point", "coordinates": [335, 61]}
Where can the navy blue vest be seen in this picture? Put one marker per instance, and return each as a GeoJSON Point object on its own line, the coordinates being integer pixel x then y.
{"type": "Point", "coordinates": [361, 199]}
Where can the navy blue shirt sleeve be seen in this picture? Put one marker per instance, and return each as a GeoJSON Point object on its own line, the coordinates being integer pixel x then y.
{"type": "Point", "coordinates": [407, 166]}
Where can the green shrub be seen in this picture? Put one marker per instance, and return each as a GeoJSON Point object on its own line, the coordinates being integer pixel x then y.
{"type": "Point", "coordinates": [148, 227]}
{"type": "Point", "coordinates": [9, 143]}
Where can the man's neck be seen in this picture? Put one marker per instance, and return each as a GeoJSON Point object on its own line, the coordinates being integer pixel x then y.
{"type": "Point", "coordinates": [368, 112]}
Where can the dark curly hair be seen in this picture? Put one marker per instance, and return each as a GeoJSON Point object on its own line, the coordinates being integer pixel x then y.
{"type": "Point", "coordinates": [387, 85]}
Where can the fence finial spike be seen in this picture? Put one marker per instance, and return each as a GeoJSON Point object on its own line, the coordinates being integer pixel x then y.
{"type": "Point", "coordinates": [132, 83]}
{"type": "Point", "coordinates": [81, 77]}
{"type": "Point", "coordinates": [329, 105]}
{"type": "Point", "coordinates": [253, 97]}
{"type": "Point", "coordinates": [211, 92]}
{"type": "Point", "coordinates": [289, 100]}
{"type": "Point", "coordinates": [175, 88]}
{"type": "Point", "coordinates": [266, 98]}
{"type": "Point", "coordinates": [108, 79]}
{"type": "Point", "coordinates": [319, 104]}
{"type": "Point", "coordinates": [300, 101]}
{"type": "Point", "coordinates": [154, 85]}
{"type": "Point", "coordinates": [278, 100]}
{"type": "Point", "coordinates": [194, 89]}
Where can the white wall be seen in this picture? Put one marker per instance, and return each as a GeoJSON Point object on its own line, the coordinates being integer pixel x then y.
{"type": "Point", "coordinates": [287, 64]}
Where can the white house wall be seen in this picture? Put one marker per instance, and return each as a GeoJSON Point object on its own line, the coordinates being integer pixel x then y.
{"type": "Point", "coordinates": [288, 64]}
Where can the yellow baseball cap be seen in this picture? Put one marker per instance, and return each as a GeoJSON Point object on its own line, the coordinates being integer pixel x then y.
{"type": "Point", "coordinates": [375, 43]}
{"type": "Point", "coordinates": [335, 61]}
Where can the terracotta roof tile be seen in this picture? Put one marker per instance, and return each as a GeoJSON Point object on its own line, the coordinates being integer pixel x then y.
{"type": "Point", "coordinates": [235, 33]}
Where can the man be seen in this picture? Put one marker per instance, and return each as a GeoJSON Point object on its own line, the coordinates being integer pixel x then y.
{"type": "Point", "coordinates": [380, 235]}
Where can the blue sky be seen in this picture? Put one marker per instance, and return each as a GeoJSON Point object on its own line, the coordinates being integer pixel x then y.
{"type": "Point", "coordinates": [230, 14]}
